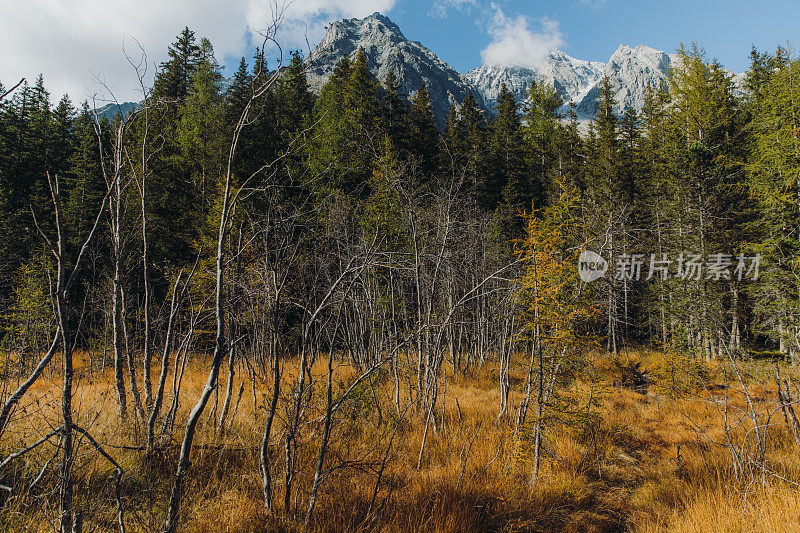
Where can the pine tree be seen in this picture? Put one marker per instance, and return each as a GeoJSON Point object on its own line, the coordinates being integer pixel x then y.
{"type": "Point", "coordinates": [541, 132]}
{"type": "Point", "coordinates": [710, 121]}
{"type": "Point", "coordinates": [293, 100]}
{"type": "Point", "coordinates": [174, 79]}
{"type": "Point", "coordinates": [510, 184]}
{"type": "Point", "coordinates": [61, 135]}
{"type": "Point", "coordinates": [422, 139]}
{"type": "Point", "coordinates": [361, 115]}
{"type": "Point", "coordinates": [361, 97]}
{"type": "Point", "coordinates": [774, 183]}
{"type": "Point", "coordinates": [475, 142]}
{"type": "Point", "coordinates": [84, 181]}
{"type": "Point", "coordinates": [238, 93]}
{"type": "Point", "coordinates": [329, 147]}
{"type": "Point", "coordinates": [395, 108]}
{"type": "Point", "coordinates": [570, 152]}
{"type": "Point", "coordinates": [200, 127]}
{"type": "Point", "coordinates": [294, 105]}
{"type": "Point", "coordinates": [452, 150]}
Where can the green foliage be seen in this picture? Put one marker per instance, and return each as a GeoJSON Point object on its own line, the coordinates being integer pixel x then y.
{"type": "Point", "coordinates": [698, 170]}
{"type": "Point", "coordinates": [384, 219]}
{"type": "Point", "coordinates": [27, 325]}
{"type": "Point", "coordinates": [174, 79]}
{"type": "Point", "coordinates": [555, 306]}
{"type": "Point", "coordinates": [422, 136]}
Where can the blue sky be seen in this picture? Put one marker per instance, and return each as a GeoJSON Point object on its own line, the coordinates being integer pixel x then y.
{"type": "Point", "coordinates": [593, 30]}
{"type": "Point", "coordinates": [81, 45]}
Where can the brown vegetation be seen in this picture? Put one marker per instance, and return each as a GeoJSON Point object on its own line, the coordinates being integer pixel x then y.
{"type": "Point", "coordinates": [631, 461]}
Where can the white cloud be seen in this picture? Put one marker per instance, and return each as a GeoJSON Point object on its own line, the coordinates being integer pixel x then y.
{"type": "Point", "coordinates": [441, 7]}
{"type": "Point", "coordinates": [304, 21]}
{"type": "Point", "coordinates": [71, 41]}
{"type": "Point", "coordinates": [515, 43]}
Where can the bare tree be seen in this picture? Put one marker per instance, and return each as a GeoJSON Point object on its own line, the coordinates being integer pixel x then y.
{"type": "Point", "coordinates": [64, 280]}
{"type": "Point", "coordinates": [262, 82]}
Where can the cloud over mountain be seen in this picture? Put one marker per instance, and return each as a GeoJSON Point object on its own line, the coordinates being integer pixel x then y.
{"type": "Point", "coordinates": [515, 42]}
{"type": "Point", "coordinates": [74, 42]}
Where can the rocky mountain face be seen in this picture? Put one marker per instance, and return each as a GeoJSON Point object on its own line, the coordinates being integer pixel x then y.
{"type": "Point", "coordinates": [630, 69]}
{"type": "Point", "coordinates": [110, 111]}
{"type": "Point", "coordinates": [629, 72]}
{"type": "Point", "coordinates": [388, 50]}
{"type": "Point", "coordinates": [572, 78]}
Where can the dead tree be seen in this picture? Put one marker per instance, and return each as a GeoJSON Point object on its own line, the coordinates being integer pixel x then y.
{"type": "Point", "coordinates": [230, 197]}
{"type": "Point", "coordinates": [11, 90]}
{"type": "Point", "coordinates": [64, 280]}
{"type": "Point", "coordinates": [114, 172]}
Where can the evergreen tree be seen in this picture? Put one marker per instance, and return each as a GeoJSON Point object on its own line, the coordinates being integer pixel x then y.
{"type": "Point", "coordinates": [475, 142]}
{"type": "Point", "coordinates": [452, 151]}
{"type": "Point", "coordinates": [238, 93]}
{"type": "Point", "coordinates": [61, 135]}
{"type": "Point", "coordinates": [422, 139]}
{"type": "Point", "coordinates": [774, 183]}
{"type": "Point", "coordinates": [174, 79]}
{"type": "Point", "coordinates": [395, 108]}
{"type": "Point", "coordinates": [710, 121]}
{"type": "Point", "coordinates": [294, 105]}
{"type": "Point", "coordinates": [541, 133]}
{"type": "Point", "coordinates": [84, 181]}
{"type": "Point", "coordinates": [510, 183]}
{"type": "Point", "coordinates": [200, 128]}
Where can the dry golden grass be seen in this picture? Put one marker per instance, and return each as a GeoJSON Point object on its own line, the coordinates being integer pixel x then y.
{"type": "Point", "coordinates": [639, 462]}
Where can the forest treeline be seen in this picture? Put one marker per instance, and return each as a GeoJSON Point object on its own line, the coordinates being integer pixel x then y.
{"type": "Point", "coordinates": [706, 167]}
{"type": "Point", "coordinates": [262, 221]}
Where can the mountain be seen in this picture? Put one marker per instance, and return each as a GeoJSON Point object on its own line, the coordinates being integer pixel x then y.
{"type": "Point", "coordinates": [110, 111]}
{"type": "Point", "coordinates": [570, 77]}
{"type": "Point", "coordinates": [629, 71]}
{"type": "Point", "coordinates": [388, 50]}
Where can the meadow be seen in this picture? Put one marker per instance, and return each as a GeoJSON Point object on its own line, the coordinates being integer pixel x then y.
{"type": "Point", "coordinates": [625, 449]}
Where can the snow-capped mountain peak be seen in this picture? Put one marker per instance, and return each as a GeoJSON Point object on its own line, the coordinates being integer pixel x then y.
{"type": "Point", "coordinates": [388, 50]}
{"type": "Point", "coordinates": [570, 77]}
{"type": "Point", "coordinates": [630, 70]}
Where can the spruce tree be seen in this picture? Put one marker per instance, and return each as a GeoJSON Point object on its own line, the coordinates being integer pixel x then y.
{"type": "Point", "coordinates": [200, 128]}
{"type": "Point", "coordinates": [174, 78]}
{"type": "Point", "coordinates": [541, 133]}
{"type": "Point", "coordinates": [774, 184]}
{"type": "Point", "coordinates": [422, 137]}
{"type": "Point", "coordinates": [475, 143]}
{"type": "Point", "coordinates": [395, 108]}
{"type": "Point", "coordinates": [510, 184]}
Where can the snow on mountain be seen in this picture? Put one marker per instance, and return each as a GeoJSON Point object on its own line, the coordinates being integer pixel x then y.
{"type": "Point", "coordinates": [570, 77]}
{"type": "Point", "coordinates": [629, 71]}
{"type": "Point", "coordinates": [388, 50]}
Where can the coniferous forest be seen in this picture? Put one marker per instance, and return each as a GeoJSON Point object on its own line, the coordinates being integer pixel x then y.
{"type": "Point", "coordinates": [246, 306]}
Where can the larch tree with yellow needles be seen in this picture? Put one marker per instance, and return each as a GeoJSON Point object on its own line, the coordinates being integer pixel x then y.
{"type": "Point", "coordinates": [554, 308]}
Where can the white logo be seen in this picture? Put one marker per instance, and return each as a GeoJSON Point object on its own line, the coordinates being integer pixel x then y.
{"type": "Point", "coordinates": [591, 266]}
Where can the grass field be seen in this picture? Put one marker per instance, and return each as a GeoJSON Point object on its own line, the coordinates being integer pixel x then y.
{"type": "Point", "coordinates": [617, 458]}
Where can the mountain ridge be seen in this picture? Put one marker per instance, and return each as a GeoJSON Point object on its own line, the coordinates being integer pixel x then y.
{"type": "Point", "coordinates": [388, 50]}
{"type": "Point", "coordinates": [629, 69]}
